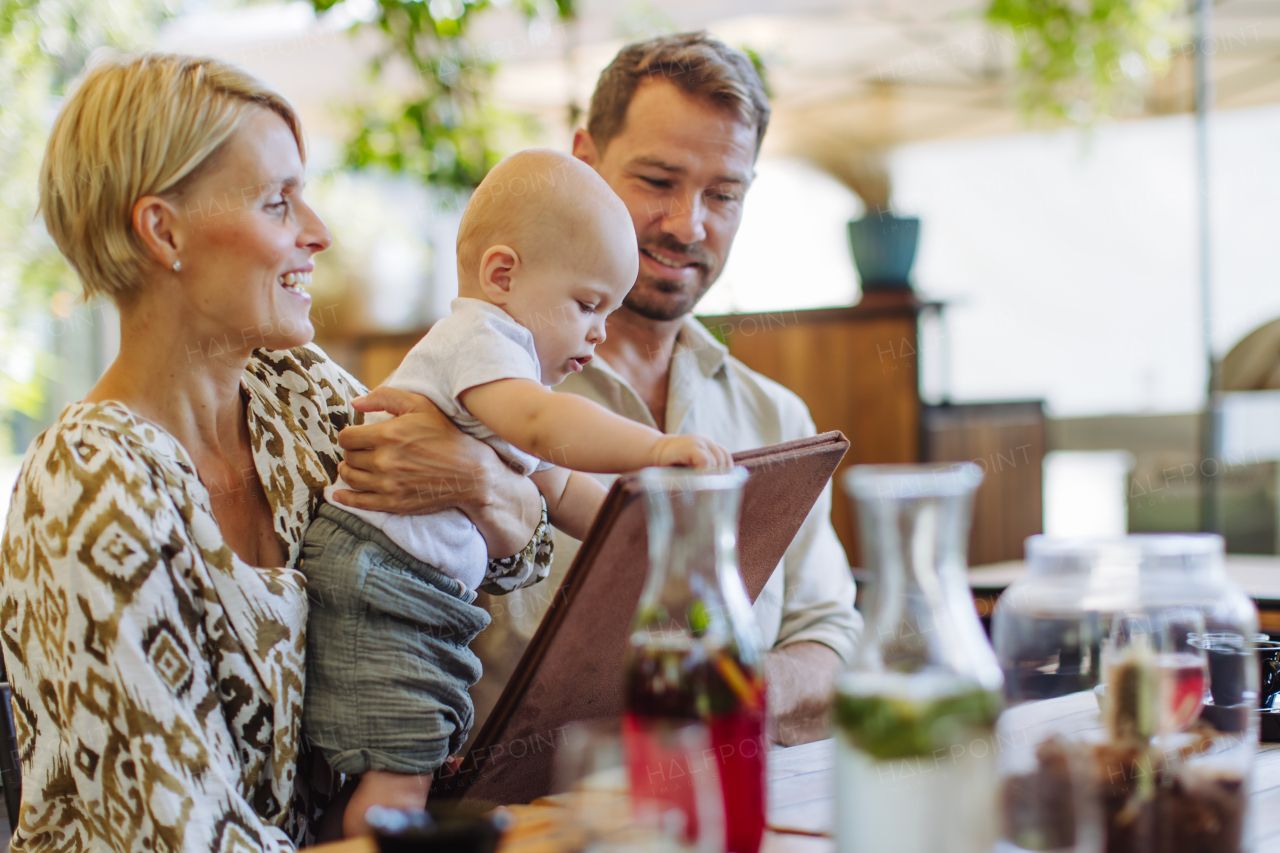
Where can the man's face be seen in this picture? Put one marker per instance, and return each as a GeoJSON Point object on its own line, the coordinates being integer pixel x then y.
{"type": "Point", "coordinates": [682, 165]}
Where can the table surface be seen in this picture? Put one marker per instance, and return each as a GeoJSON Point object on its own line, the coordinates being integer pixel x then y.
{"type": "Point", "coordinates": [801, 797]}
{"type": "Point", "coordinates": [800, 803]}
{"type": "Point", "coordinates": [1257, 575]}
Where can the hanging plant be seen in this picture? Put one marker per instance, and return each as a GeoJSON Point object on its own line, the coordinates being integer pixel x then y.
{"type": "Point", "coordinates": [443, 132]}
{"type": "Point", "coordinates": [1079, 60]}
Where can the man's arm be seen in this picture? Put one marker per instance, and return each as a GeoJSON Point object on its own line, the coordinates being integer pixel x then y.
{"type": "Point", "coordinates": [574, 432]}
{"type": "Point", "coordinates": [419, 463]}
{"type": "Point", "coordinates": [802, 680]}
{"type": "Point", "coordinates": [817, 630]}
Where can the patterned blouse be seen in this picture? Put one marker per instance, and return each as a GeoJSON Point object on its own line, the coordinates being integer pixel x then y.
{"type": "Point", "coordinates": [157, 678]}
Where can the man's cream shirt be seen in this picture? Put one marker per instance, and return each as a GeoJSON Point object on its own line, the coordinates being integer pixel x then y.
{"type": "Point", "coordinates": [712, 394]}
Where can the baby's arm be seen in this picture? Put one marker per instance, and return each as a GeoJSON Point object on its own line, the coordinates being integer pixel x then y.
{"type": "Point", "coordinates": [573, 499]}
{"type": "Point", "coordinates": [574, 432]}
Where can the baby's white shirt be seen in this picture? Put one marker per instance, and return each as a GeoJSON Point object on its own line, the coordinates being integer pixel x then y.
{"type": "Point", "coordinates": [476, 344]}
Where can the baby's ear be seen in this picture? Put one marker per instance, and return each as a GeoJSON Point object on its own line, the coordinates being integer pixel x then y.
{"type": "Point", "coordinates": [498, 268]}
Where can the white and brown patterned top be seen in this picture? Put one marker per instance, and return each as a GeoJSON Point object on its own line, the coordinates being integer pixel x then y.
{"type": "Point", "coordinates": [157, 678]}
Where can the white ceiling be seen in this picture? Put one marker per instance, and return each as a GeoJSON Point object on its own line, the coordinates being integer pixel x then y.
{"type": "Point", "coordinates": [875, 74]}
{"type": "Point", "coordinates": [865, 73]}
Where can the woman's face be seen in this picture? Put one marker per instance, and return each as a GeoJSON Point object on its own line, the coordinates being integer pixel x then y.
{"type": "Point", "coordinates": [246, 243]}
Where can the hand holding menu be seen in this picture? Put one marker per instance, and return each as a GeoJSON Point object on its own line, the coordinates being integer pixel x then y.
{"type": "Point", "coordinates": [572, 669]}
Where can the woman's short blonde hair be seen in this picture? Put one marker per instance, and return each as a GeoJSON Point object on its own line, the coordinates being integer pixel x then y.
{"type": "Point", "coordinates": [137, 125]}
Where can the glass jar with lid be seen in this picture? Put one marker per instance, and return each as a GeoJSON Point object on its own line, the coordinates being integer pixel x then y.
{"type": "Point", "coordinates": [1131, 690]}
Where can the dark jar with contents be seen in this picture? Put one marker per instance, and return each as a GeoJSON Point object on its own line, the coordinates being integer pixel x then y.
{"type": "Point", "coordinates": [1132, 685]}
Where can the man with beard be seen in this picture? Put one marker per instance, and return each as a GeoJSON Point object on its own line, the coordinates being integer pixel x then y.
{"type": "Point", "coordinates": [674, 128]}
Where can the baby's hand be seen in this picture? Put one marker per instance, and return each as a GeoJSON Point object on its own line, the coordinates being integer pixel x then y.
{"type": "Point", "coordinates": [693, 451]}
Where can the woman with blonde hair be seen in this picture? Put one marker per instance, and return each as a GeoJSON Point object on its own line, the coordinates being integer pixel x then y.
{"type": "Point", "coordinates": [152, 612]}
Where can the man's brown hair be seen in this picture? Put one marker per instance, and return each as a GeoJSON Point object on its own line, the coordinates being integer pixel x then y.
{"type": "Point", "coordinates": [695, 62]}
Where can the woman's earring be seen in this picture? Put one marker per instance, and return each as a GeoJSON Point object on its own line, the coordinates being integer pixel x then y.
{"type": "Point", "coordinates": [177, 266]}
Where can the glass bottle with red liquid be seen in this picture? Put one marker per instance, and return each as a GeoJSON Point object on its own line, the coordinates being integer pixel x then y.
{"type": "Point", "coordinates": [695, 663]}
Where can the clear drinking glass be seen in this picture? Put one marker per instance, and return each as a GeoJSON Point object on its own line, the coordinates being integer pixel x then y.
{"type": "Point", "coordinates": [592, 781]}
{"type": "Point", "coordinates": [1172, 637]}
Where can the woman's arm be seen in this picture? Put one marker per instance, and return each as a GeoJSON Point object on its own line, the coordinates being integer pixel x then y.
{"type": "Point", "coordinates": [419, 462]}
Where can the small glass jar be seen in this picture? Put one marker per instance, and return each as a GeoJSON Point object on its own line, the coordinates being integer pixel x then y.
{"type": "Point", "coordinates": [1131, 683]}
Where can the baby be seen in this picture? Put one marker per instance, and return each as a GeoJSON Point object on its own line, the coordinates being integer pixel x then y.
{"type": "Point", "coordinates": [546, 251]}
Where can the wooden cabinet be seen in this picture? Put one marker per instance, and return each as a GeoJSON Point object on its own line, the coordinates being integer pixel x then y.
{"type": "Point", "coordinates": [1007, 441]}
{"type": "Point", "coordinates": [857, 370]}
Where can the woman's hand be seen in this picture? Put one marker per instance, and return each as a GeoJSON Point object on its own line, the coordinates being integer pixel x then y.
{"type": "Point", "coordinates": [419, 462]}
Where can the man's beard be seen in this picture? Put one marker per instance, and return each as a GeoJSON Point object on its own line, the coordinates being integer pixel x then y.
{"type": "Point", "coordinates": [658, 299]}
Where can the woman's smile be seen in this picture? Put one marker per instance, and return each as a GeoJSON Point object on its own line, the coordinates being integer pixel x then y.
{"type": "Point", "coordinates": [297, 282]}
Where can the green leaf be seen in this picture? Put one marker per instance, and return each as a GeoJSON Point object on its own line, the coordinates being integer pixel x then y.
{"type": "Point", "coordinates": [43, 46]}
{"type": "Point", "coordinates": [897, 727]}
{"type": "Point", "coordinates": [699, 618]}
{"type": "Point", "coordinates": [444, 134]}
{"type": "Point", "coordinates": [1069, 53]}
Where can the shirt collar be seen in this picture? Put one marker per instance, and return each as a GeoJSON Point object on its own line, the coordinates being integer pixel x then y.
{"type": "Point", "coordinates": [698, 356]}
{"type": "Point", "coordinates": [695, 343]}
{"type": "Point", "coordinates": [694, 346]}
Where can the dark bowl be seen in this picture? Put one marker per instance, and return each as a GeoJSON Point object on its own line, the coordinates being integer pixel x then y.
{"type": "Point", "coordinates": [445, 827]}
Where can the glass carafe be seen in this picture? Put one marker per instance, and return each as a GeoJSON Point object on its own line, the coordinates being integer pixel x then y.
{"type": "Point", "coordinates": [915, 715]}
{"type": "Point", "coordinates": [695, 657]}
{"type": "Point", "coordinates": [1132, 686]}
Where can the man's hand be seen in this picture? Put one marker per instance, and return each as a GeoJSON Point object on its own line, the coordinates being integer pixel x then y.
{"type": "Point", "coordinates": [416, 463]}
{"type": "Point", "coordinates": [802, 679]}
{"type": "Point", "coordinates": [691, 450]}
{"type": "Point", "coordinates": [419, 462]}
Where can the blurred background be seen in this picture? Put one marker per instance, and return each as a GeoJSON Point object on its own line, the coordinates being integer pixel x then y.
{"type": "Point", "coordinates": [1038, 235]}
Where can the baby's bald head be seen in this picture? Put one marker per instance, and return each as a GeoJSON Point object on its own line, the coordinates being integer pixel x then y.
{"type": "Point", "coordinates": [550, 208]}
{"type": "Point", "coordinates": [546, 240]}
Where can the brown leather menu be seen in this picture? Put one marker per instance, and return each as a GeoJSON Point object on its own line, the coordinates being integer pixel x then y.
{"type": "Point", "coordinates": [572, 669]}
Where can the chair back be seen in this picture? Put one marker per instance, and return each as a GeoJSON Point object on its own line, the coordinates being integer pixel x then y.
{"type": "Point", "coordinates": [10, 772]}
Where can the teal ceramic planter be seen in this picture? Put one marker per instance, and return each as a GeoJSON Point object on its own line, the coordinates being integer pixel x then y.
{"type": "Point", "coordinates": [884, 247]}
